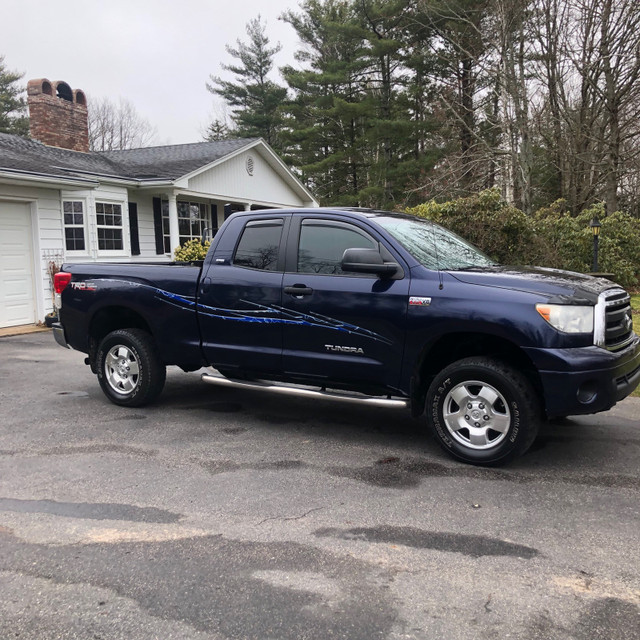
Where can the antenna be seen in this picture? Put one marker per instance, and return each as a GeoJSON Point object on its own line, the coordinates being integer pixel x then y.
{"type": "Point", "coordinates": [435, 247]}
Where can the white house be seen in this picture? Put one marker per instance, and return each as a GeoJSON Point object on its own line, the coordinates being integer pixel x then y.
{"type": "Point", "coordinates": [59, 202]}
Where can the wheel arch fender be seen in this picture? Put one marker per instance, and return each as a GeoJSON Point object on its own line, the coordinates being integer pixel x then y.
{"type": "Point", "coordinates": [449, 348]}
{"type": "Point", "coordinates": [110, 318]}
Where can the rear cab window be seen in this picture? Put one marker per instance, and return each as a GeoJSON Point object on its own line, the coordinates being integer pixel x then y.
{"type": "Point", "coordinates": [259, 246]}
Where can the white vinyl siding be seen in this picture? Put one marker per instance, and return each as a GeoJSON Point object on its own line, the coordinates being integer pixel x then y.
{"type": "Point", "coordinates": [231, 181]}
{"type": "Point", "coordinates": [146, 230]}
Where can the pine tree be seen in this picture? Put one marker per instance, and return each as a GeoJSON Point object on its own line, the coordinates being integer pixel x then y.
{"type": "Point", "coordinates": [254, 99]}
{"type": "Point", "coordinates": [388, 27]}
{"type": "Point", "coordinates": [218, 130]}
{"type": "Point", "coordinates": [330, 111]}
{"type": "Point", "coordinates": [13, 118]}
{"type": "Point", "coordinates": [355, 129]}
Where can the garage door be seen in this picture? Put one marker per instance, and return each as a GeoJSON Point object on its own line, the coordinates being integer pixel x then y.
{"type": "Point", "coordinates": [17, 299]}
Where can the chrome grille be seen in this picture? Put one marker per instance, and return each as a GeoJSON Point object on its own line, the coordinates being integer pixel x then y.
{"type": "Point", "coordinates": [618, 323]}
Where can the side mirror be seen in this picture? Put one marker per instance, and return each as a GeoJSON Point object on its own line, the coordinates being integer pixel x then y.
{"type": "Point", "coordinates": [367, 261]}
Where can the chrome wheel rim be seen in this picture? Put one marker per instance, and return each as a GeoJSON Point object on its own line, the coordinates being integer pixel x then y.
{"type": "Point", "coordinates": [476, 415]}
{"type": "Point", "coordinates": [122, 369]}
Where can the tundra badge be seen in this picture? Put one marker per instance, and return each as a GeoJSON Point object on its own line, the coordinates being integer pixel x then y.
{"type": "Point", "coordinates": [335, 347]}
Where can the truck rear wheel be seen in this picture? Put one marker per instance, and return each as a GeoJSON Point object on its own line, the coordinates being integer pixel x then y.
{"type": "Point", "coordinates": [483, 411]}
{"type": "Point", "coordinates": [129, 370]}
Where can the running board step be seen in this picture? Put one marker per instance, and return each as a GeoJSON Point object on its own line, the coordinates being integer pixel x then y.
{"type": "Point", "coordinates": [303, 392]}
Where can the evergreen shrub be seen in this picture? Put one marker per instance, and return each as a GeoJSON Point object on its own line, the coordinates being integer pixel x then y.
{"type": "Point", "coordinates": [551, 237]}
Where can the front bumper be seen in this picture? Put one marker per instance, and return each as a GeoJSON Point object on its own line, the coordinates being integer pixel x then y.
{"type": "Point", "coordinates": [586, 380]}
{"type": "Point", "coordinates": [58, 334]}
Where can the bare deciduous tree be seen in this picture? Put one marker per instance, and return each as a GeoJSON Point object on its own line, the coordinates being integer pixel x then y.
{"type": "Point", "coordinates": [117, 126]}
{"type": "Point", "coordinates": [589, 64]}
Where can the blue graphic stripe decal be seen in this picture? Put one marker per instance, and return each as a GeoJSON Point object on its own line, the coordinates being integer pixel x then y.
{"type": "Point", "coordinates": [261, 314]}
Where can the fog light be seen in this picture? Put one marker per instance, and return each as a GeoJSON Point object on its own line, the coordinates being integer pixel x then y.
{"type": "Point", "coordinates": [587, 392]}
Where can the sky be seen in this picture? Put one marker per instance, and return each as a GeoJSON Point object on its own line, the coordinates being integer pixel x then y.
{"type": "Point", "coordinates": [158, 54]}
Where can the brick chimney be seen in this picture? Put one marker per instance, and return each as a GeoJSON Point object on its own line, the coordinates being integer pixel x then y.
{"type": "Point", "coordinates": [58, 115]}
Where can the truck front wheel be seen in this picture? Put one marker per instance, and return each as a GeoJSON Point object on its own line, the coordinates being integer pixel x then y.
{"type": "Point", "coordinates": [129, 370]}
{"type": "Point", "coordinates": [483, 411]}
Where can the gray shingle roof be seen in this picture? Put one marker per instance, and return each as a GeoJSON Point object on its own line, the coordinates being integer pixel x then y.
{"type": "Point", "coordinates": [172, 161]}
{"type": "Point", "coordinates": [165, 162]}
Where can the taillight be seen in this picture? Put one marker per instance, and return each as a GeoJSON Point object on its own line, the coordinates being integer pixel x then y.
{"type": "Point", "coordinates": [61, 280]}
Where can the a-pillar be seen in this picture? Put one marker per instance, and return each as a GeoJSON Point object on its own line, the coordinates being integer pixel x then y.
{"type": "Point", "coordinates": [174, 233]}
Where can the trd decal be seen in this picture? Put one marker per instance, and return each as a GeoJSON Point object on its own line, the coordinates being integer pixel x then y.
{"type": "Point", "coordinates": [83, 286]}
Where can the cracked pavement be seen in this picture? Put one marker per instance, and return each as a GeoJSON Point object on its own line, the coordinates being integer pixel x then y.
{"type": "Point", "coordinates": [221, 514]}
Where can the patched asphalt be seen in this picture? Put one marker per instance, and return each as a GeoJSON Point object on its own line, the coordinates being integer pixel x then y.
{"type": "Point", "coordinates": [220, 514]}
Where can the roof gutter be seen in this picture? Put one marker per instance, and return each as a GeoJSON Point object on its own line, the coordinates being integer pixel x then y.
{"type": "Point", "coordinates": [45, 178]}
{"type": "Point", "coordinates": [131, 182]}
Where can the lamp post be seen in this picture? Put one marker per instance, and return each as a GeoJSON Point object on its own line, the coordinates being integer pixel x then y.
{"type": "Point", "coordinates": [595, 230]}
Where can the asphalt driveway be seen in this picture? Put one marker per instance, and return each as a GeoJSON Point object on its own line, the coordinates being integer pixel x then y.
{"type": "Point", "coordinates": [231, 514]}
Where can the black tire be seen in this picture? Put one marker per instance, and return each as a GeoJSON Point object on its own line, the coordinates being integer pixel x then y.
{"type": "Point", "coordinates": [129, 369]}
{"type": "Point", "coordinates": [499, 417]}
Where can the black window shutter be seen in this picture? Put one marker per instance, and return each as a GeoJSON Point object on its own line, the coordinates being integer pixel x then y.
{"type": "Point", "coordinates": [133, 229]}
{"type": "Point", "coordinates": [157, 225]}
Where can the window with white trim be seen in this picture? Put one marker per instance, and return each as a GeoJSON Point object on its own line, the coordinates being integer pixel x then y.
{"type": "Point", "coordinates": [109, 226]}
{"type": "Point", "coordinates": [193, 219]}
{"type": "Point", "coordinates": [73, 220]}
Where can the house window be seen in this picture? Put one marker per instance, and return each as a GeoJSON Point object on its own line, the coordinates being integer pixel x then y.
{"type": "Point", "coordinates": [73, 213]}
{"type": "Point", "coordinates": [109, 224]}
{"type": "Point", "coordinates": [193, 219]}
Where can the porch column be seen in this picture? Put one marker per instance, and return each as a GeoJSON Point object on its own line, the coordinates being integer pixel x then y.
{"type": "Point", "coordinates": [247, 206]}
{"type": "Point", "coordinates": [174, 234]}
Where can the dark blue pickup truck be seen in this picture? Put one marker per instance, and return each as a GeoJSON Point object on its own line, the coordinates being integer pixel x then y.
{"type": "Point", "coordinates": [362, 306]}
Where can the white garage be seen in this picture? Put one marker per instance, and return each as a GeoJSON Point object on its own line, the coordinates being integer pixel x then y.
{"type": "Point", "coordinates": [17, 290]}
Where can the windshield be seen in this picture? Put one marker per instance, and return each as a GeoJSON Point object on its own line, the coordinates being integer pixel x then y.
{"type": "Point", "coordinates": [434, 246]}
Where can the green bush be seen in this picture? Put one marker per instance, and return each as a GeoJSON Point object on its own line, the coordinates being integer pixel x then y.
{"type": "Point", "coordinates": [551, 237]}
{"type": "Point", "coordinates": [620, 248]}
{"type": "Point", "coordinates": [192, 250]}
{"type": "Point", "coordinates": [561, 240]}
{"type": "Point", "coordinates": [500, 230]}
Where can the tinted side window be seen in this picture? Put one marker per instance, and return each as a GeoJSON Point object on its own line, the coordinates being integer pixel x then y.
{"type": "Point", "coordinates": [259, 245]}
{"type": "Point", "coordinates": [323, 245]}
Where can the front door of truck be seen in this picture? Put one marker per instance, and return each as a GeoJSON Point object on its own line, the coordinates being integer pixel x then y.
{"type": "Point", "coordinates": [340, 326]}
{"type": "Point", "coordinates": [240, 296]}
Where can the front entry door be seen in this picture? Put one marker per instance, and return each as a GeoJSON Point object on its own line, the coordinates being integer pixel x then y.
{"type": "Point", "coordinates": [340, 327]}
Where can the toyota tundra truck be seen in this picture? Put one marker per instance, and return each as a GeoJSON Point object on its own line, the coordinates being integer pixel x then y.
{"type": "Point", "coordinates": [361, 306]}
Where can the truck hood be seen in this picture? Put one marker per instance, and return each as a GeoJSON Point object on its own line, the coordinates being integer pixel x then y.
{"type": "Point", "coordinates": [555, 285]}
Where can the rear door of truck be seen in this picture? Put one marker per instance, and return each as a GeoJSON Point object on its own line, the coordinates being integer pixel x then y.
{"type": "Point", "coordinates": [240, 297]}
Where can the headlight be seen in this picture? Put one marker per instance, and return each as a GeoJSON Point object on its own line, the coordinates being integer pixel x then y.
{"type": "Point", "coordinates": [567, 318]}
